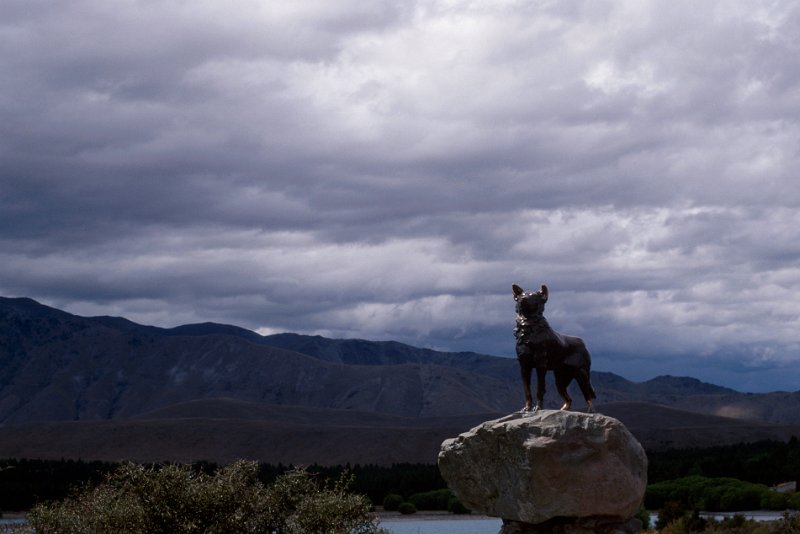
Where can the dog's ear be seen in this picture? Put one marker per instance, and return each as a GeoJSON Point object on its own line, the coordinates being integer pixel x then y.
{"type": "Point", "coordinates": [543, 291]}
{"type": "Point", "coordinates": [517, 290]}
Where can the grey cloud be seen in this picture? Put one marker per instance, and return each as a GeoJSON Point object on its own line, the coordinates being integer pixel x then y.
{"type": "Point", "coordinates": [361, 169]}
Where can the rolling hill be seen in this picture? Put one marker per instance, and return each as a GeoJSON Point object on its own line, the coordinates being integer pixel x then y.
{"type": "Point", "coordinates": [108, 388]}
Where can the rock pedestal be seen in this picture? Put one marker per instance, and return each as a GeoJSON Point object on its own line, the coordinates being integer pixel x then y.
{"type": "Point", "coordinates": [550, 471]}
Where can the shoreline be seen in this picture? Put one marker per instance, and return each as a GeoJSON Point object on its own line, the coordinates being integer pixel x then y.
{"type": "Point", "coordinates": [428, 515]}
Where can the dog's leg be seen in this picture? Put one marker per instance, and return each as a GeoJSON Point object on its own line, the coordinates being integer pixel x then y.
{"type": "Point", "coordinates": [563, 378]}
{"type": "Point", "coordinates": [541, 373]}
{"type": "Point", "coordinates": [582, 376]}
{"type": "Point", "coordinates": [525, 373]}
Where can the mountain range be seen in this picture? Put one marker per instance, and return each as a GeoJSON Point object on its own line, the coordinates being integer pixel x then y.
{"type": "Point", "coordinates": [108, 388]}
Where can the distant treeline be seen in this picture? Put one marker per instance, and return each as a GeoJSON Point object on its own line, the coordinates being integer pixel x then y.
{"type": "Point", "coordinates": [763, 462]}
{"type": "Point", "coordinates": [24, 483]}
{"type": "Point", "coordinates": [721, 494]}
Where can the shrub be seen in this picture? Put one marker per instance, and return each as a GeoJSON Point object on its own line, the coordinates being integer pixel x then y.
{"type": "Point", "coordinates": [671, 512]}
{"type": "Point", "coordinates": [788, 524]}
{"type": "Point", "coordinates": [407, 508]}
{"type": "Point", "coordinates": [687, 522]}
{"type": "Point", "coordinates": [432, 500]}
{"type": "Point", "coordinates": [644, 516]}
{"type": "Point", "coordinates": [392, 501]}
{"type": "Point", "coordinates": [772, 500]}
{"type": "Point", "coordinates": [794, 501]}
{"type": "Point", "coordinates": [713, 494]}
{"type": "Point", "coordinates": [454, 506]}
{"type": "Point", "coordinates": [736, 521]}
{"type": "Point", "coordinates": [178, 500]}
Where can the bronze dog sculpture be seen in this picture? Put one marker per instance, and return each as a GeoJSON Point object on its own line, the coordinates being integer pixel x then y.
{"type": "Point", "coordinates": [542, 348]}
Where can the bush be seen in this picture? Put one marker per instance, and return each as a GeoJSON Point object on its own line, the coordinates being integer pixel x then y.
{"type": "Point", "coordinates": [432, 500]}
{"type": "Point", "coordinates": [454, 506]}
{"type": "Point", "coordinates": [735, 522]}
{"type": "Point", "coordinates": [687, 522]}
{"type": "Point", "coordinates": [407, 508]}
{"type": "Point", "coordinates": [789, 523]}
{"type": "Point", "coordinates": [712, 494]}
{"type": "Point", "coordinates": [392, 501]}
{"type": "Point", "coordinates": [772, 500]}
{"type": "Point", "coordinates": [644, 516]}
{"type": "Point", "coordinates": [176, 499]}
{"type": "Point", "coordinates": [671, 512]}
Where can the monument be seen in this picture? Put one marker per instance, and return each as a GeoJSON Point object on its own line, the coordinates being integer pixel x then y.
{"type": "Point", "coordinates": [542, 348]}
{"type": "Point", "coordinates": [549, 471]}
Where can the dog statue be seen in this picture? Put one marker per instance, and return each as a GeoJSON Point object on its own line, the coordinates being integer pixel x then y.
{"type": "Point", "coordinates": [542, 348]}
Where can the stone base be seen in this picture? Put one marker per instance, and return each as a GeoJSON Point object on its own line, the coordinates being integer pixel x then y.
{"type": "Point", "coordinates": [552, 464]}
{"type": "Point", "coordinates": [573, 525]}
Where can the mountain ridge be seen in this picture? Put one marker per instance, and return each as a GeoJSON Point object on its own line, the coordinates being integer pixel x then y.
{"type": "Point", "coordinates": [91, 376]}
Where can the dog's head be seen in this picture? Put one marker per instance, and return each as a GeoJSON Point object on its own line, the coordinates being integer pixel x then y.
{"type": "Point", "coordinates": [529, 304]}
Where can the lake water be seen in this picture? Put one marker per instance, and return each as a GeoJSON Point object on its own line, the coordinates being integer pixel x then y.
{"type": "Point", "coordinates": [449, 524]}
{"type": "Point", "coordinates": [483, 525]}
{"type": "Point", "coordinates": [755, 515]}
{"type": "Point", "coordinates": [443, 526]}
{"type": "Point", "coordinates": [10, 520]}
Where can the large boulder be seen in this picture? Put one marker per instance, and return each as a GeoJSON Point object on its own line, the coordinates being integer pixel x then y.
{"type": "Point", "coordinates": [547, 466]}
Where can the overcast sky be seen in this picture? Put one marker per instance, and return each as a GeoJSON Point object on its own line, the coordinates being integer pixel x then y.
{"type": "Point", "coordinates": [386, 170]}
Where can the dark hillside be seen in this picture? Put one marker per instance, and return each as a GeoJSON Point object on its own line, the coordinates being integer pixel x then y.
{"type": "Point", "coordinates": [106, 388]}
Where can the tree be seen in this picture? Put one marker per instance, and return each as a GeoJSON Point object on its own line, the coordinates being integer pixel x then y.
{"type": "Point", "coordinates": [392, 501]}
{"type": "Point", "coordinates": [177, 499]}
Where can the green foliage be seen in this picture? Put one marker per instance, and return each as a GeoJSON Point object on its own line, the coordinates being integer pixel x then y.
{"type": "Point", "coordinates": [441, 499]}
{"type": "Point", "coordinates": [432, 500]}
{"type": "Point", "coordinates": [669, 513]}
{"type": "Point", "coordinates": [177, 499]}
{"type": "Point", "coordinates": [454, 506]}
{"type": "Point", "coordinates": [689, 522]}
{"type": "Point", "coordinates": [695, 523]}
{"type": "Point", "coordinates": [644, 516]}
{"type": "Point", "coordinates": [392, 501]}
{"type": "Point", "coordinates": [733, 523]}
{"type": "Point", "coordinates": [763, 462]}
{"type": "Point", "coordinates": [407, 508]}
{"type": "Point", "coordinates": [375, 481]}
{"type": "Point", "coordinates": [712, 494]}
{"type": "Point", "coordinates": [328, 510]}
{"type": "Point", "coordinates": [772, 500]}
{"type": "Point", "coordinates": [789, 524]}
{"type": "Point", "coordinates": [23, 483]}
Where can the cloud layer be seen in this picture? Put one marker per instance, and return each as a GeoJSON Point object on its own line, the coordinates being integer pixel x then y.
{"type": "Point", "coordinates": [387, 170]}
